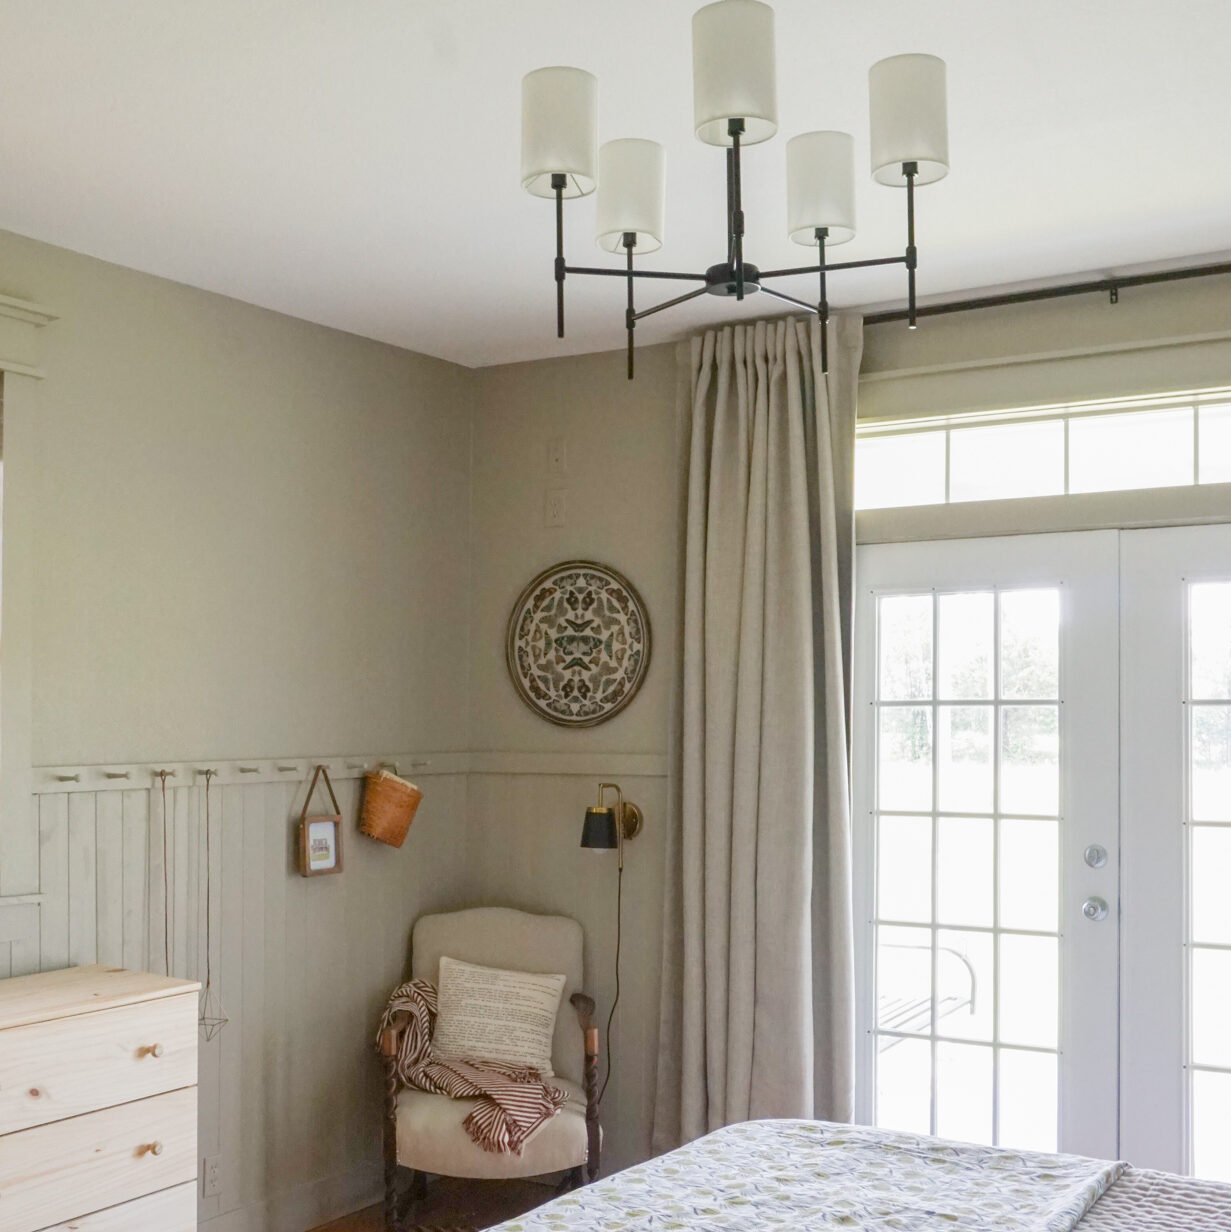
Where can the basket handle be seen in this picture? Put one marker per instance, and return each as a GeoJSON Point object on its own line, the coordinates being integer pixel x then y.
{"type": "Point", "coordinates": [316, 774]}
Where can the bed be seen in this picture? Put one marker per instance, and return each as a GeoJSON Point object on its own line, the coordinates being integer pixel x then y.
{"type": "Point", "coordinates": [794, 1176]}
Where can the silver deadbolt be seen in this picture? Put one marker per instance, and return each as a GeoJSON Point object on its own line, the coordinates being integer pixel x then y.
{"type": "Point", "coordinates": [1095, 855]}
{"type": "Point", "coordinates": [1094, 909]}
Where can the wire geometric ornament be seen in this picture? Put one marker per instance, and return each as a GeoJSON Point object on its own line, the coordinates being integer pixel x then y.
{"type": "Point", "coordinates": [211, 1016]}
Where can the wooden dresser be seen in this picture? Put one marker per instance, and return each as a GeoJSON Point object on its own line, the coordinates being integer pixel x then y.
{"type": "Point", "coordinates": [98, 1102]}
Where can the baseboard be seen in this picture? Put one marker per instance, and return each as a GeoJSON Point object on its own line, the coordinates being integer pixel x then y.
{"type": "Point", "coordinates": [306, 1206]}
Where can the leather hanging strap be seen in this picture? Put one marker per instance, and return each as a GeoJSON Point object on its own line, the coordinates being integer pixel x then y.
{"type": "Point", "coordinates": [316, 774]}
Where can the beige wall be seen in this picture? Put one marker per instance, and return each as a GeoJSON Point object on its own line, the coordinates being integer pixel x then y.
{"type": "Point", "coordinates": [247, 538]}
{"type": "Point", "coordinates": [621, 493]}
{"type": "Point", "coordinates": [251, 534]}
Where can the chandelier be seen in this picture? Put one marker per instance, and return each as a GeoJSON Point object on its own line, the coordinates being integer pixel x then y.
{"type": "Point", "coordinates": [735, 105]}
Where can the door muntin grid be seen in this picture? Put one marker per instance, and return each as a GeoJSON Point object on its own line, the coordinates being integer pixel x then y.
{"type": "Point", "coordinates": [967, 818]}
{"type": "Point", "coordinates": [1208, 826]}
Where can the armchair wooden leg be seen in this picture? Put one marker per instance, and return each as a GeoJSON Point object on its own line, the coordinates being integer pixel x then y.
{"type": "Point", "coordinates": [392, 1214]}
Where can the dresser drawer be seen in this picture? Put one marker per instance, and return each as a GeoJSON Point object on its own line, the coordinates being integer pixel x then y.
{"type": "Point", "coordinates": [173, 1210]}
{"type": "Point", "coordinates": [68, 1066]}
{"type": "Point", "coordinates": [48, 1173]}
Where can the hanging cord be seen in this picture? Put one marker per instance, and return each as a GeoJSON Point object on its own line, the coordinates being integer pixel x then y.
{"type": "Point", "coordinates": [616, 1001]}
{"type": "Point", "coordinates": [166, 893]}
{"type": "Point", "coordinates": [209, 887]}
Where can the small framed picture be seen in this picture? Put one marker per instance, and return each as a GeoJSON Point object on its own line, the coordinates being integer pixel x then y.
{"type": "Point", "coordinates": [320, 845]}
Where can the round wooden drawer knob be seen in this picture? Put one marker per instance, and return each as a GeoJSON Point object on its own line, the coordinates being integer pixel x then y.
{"type": "Point", "coordinates": [156, 1051]}
{"type": "Point", "coordinates": [155, 1148]}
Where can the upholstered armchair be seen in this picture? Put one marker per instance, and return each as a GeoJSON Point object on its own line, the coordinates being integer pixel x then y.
{"type": "Point", "coordinates": [423, 1132]}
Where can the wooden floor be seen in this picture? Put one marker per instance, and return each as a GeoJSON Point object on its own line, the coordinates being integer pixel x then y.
{"type": "Point", "coordinates": [451, 1204]}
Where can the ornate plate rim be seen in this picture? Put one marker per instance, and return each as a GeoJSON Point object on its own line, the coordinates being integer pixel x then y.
{"type": "Point", "coordinates": [510, 657]}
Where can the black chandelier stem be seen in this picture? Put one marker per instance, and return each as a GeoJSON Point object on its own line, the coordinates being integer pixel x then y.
{"type": "Point", "coordinates": [735, 128]}
{"type": "Point", "coordinates": [630, 315]}
{"type": "Point", "coordinates": [822, 307]}
{"type": "Point", "coordinates": [557, 182]}
{"type": "Point", "coordinates": [910, 170]}
{"type": "Point", "coordinates": [730, 205]}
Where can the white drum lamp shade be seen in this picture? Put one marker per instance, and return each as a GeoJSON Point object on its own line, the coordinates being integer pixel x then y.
{"type": "Point", "coordinates": [559, 130]}
{"type": "Point", "coordinates": [733, 71]}
{"type": "Point", "coordinates": [909, 116]}
{"type": "Point", "coordinates": [820, 187]}
{"type": "Point", "coordinates": [631, 194]}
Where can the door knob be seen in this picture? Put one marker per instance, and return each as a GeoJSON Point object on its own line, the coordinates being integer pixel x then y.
{"type": "Point", "coordinates": [1094, 909]}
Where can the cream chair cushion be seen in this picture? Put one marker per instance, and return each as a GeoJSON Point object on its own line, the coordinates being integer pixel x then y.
{"type": "Point", "coordinates": [517, 941]}
{"type": "Point", "coordinates": [431, 1138]}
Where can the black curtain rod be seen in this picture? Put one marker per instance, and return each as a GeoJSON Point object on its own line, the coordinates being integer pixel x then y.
{"type": "Point", "coordinates": [1107, 286]}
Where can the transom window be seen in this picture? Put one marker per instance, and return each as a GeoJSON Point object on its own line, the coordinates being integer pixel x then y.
{"type": "Point", "coordinates": [1172, 441]}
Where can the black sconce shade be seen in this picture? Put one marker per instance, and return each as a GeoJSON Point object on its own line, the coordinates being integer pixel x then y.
{"type": "Point", "coordinates": [599, 829]}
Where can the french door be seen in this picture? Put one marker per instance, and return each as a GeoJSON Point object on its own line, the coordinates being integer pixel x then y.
{"type": "Point", "coordinates": [1043, 842]}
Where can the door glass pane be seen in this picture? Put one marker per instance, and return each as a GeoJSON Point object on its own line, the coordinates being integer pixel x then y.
{"type": "Point", "coordinates": [1030, 644]}
{"type": "Point", "coordinates": [1142, 449]}
{"type": "Point", "coordinates": [904, 867]}
{"type": "Point", "coordinates": [1029, 970]}
{"type": "Point", "coordinates": [1215, 447]}
{"type": "Point", "coordinates": [964, 984]}
{"type": "Point", "coordinates": [964, 768]}
{"type": "Point", "coordinates": [1029, 874]}
{"type": "Point", "coordinates": [1210, 640]}
{"type": "Point", "coordinates": [904, 751]}
{"type": "Point", "coordinates": [964, 1092]}
{"type": "Point", "coordinates": [964, 871]}
{"type": "Point", "coordinates": [900, 470]}
{"type": "Point", "coordinates": [1211, 886]}
{"type": "Point", "coordinates": [1212, 1125]}
{"type": "Point", "coordinates": [1211, 1008]}
{"type": "Point", "coordinates": [1029, 1118]}
{"type": "Point", "coordinates": [1030, 760]}
{"type": "Point", "coordinates": [905, 642]}
{"type": "Point", "coordinates": [965, 645]}
{"type": "Point", "coordinates": [1211, 762]}
{"type": "Point", "coordinates": [904, 1084]}
{"type": "Point", "coordinates": [1006, 460]}
{"type": "Point", "coordinates": [904, 979]}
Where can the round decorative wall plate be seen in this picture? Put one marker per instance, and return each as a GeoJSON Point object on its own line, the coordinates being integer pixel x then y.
{"type": "Point", "coordinates": [578, 643]}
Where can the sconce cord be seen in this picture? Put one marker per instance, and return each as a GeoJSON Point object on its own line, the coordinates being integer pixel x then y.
{"type": "Point", "coordinates": [616, 1001]}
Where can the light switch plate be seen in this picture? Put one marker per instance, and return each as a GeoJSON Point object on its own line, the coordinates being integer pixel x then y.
{"type": "Point", "coordinates": [554, 507]}
{"type": "Point", "coordinates": [557, 457]}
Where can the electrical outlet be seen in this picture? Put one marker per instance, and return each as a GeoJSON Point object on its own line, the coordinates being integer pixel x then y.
{"type": "Point", "coordinates": [211, 1176]}
{"type": "Point", "coordinates": [557, 459]}
{"type": "Point", "coordinates": [553, 508]}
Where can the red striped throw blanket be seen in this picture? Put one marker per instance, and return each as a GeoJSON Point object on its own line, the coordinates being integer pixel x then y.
{"type": "Point", "coordinates": [514, 1101]}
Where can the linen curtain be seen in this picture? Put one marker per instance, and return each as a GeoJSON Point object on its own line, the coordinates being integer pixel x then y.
{"type": "Point", "coordinates": [757, 992]}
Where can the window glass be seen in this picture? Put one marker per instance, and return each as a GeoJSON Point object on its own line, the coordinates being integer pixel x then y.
{"type": "Point", "coordinates": [1006, 460]}
{"type": "Point", "coordinates": [1215, 444]}
{"type": "Point", "coordinates": [900, 470]}
{"type": "Point", "coordinates": [1142, 449]}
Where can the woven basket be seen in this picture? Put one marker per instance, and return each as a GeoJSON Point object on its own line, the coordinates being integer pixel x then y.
{"type": "Point", "coordinates": [389, 805]}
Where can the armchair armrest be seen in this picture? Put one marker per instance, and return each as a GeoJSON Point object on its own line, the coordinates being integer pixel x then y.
{"type": "Point", "coordinates": [584, 1006]}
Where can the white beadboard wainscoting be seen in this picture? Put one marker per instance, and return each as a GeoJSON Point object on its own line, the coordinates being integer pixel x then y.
{"type": "Point", "coordinates": [290, 1089]}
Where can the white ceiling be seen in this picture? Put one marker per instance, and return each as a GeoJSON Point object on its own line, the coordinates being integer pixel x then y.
{"type": "Point", "coordinates": [355, 162]}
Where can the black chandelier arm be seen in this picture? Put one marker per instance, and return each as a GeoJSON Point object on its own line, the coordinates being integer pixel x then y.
{"type": "Point", "coordinates": [830, 266]}
{"type": "Point", "coordinates": [637, 273]}
{"type": "Point", "coordinates": [669, 303]}
{"type": "Point", "coordinates": [790, 299]}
